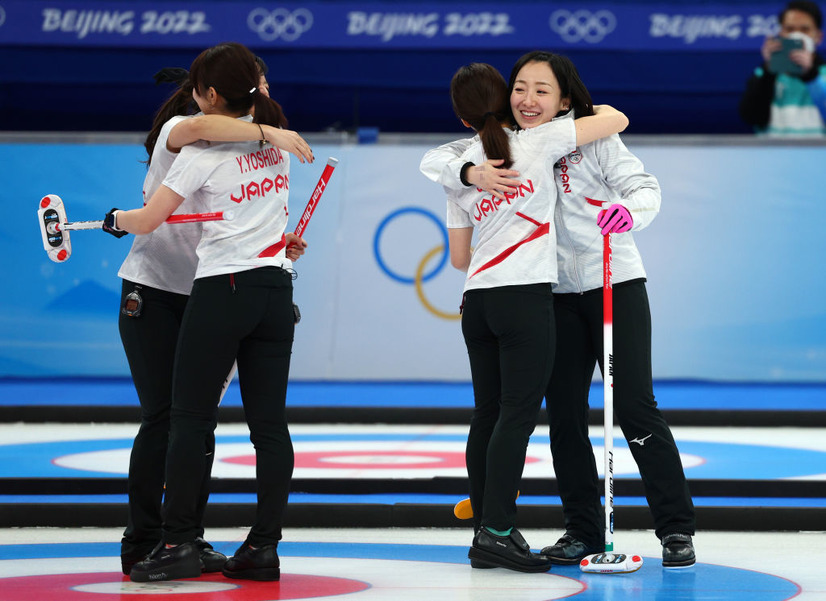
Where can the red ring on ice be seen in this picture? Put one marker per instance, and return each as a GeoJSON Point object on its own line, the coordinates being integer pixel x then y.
{"type": "Point", "coordinates": [64, 587]}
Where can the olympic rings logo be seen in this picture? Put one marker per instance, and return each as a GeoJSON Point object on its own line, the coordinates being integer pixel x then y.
{"type": "Point", "coordinates": [280, 23]}
{"type": "Point", "coordinates": [422, 274]}
{"type": "Point", "coordinates": [583, 25]}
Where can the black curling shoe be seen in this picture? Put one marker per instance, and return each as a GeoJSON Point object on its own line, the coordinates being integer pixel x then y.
{"type": "Point", "coordinates": [254, 564]}
{"type": "Point", "coordinates": [131, 554]}
{"type": "Point", "coordinates": [182, 561]}
{"type": "Point", "coordinates": [678, 551]}
{"type": "Point", "coordinates": [511, 552]}
{"type": "Point", "coordinates": [569, 550]}
{"type": "Point", "coordinates": [212, 560]}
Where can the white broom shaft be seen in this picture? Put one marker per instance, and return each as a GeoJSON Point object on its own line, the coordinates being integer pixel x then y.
{"type": "Point", "coordinates": [81, 225]}
{"type": "Point", "coordinates": [608, 388]}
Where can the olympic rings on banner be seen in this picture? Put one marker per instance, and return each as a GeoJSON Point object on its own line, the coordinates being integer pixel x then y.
{"type": "Point", "coordinates": [377, 240]}
{"type": "Point", "coordinates": [420, 289]}
{"type": "Point", "coordinates": [280, 23]}
{"type": "Point", "coordinates": [583, 25]}
{"type": "Point", "coordinates": [419, 277]}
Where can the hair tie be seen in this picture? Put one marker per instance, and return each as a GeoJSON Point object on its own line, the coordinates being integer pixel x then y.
{"type": "Point", "coordinates": [263, 139]}
{"type": "Point", "coordinates": [488, 114]}
{"type": "Point", "coordinates": [252, 91]}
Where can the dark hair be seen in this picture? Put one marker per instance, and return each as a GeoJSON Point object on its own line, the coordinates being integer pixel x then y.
{"type": "Point", "coordinates": [262, 65]}
{"type": "Point", "coordinates": [480, 97]}
{"type": "Point", "coordinates": [234, 72]}
{"type": "Point", "coordinates": [810, 8]}
{"type": "Point", "coordinates": [571, 85]}
{"type": "Point", "coordinates": [180, 103]}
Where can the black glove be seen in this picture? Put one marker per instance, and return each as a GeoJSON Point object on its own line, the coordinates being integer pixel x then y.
{"type": "Point", "coordinates": [109, 225]}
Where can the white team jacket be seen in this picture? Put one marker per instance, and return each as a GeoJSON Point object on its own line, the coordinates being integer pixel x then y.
{"type": "Point", "coordinates": [604, 171]}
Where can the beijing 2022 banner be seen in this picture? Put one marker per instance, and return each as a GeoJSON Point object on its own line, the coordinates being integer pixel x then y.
{"type": "Point", "coordinates": [375, 25]}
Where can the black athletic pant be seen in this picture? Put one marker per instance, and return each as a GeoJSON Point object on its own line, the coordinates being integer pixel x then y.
{"type": "Point", "coordinates": [248, 316]}
{"type": "Point", "coordinates": [579, 347]}
{"type": "Point", "coordinates": [509, 333]}
{"type": "Point", "coordinates": [149, 340]}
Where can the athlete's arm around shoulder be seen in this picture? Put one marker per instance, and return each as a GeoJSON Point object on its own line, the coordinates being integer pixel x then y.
{"type": "Point", "coordinates": [221, 128]}
{"type": "Point", "coordinates": [443, 163]}
{"type": "Point", "coordinates": [446, 164]}
{"type": "Point", "coordinates": [605, 121]}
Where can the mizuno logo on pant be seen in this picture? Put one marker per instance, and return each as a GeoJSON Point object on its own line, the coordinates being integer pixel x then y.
{"type": "Point", "coordinates": [641, 441]}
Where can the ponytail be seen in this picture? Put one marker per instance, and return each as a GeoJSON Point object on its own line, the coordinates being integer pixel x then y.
{"type": "Point", "coordinates": [495, 141]}
{"type": "Point", "coordinates": [480, 97]}
{"type": "Point", "coordinates": [268, 111]}
{"type": "Point", "coordinates": [180, 103]}
{"type": "Point", "coordinates": [234, 72]}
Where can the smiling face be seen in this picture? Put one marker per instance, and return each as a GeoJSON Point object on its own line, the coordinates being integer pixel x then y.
{"type": "Point", "coordinates": [536, 97]}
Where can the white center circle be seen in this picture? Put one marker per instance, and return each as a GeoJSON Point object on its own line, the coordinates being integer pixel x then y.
{"type": "Point", "coordinates": [381, 459]}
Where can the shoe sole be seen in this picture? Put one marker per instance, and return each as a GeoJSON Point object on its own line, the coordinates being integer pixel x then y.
{"type": "Point", "coordinates": [678, 566]}
{"type": "Point", "coordinates": [485, 560]}
{"type": "Point", "coordinates": [568, 561]}
{"type": "Point", "coordinates": [564, 561]}
{"type": "Point", "coordinates": [259, 574]}
{"type": "Point", "coordinates": [162, 575]}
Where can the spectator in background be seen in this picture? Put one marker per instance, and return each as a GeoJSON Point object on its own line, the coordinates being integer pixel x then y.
{"type": "Point", "coordinates": [786, 95]}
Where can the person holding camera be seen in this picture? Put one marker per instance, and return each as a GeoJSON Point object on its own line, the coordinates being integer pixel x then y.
{"type": "Point", "coordinates": [786, 95]}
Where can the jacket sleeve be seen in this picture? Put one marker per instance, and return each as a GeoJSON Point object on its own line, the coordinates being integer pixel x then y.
{"type": "Point", "coordinates": [625, 174]}
{"type": "Point", "coordinates": [456, 216]}
{"type": "Point", "coordinates": [443, 164]}
{"type": "Point", "coordinates": [756, 101]}
{"type": "Point", "coordinates": [816, 84]}
{"type": "Point", "coordinates": [817, 90]}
